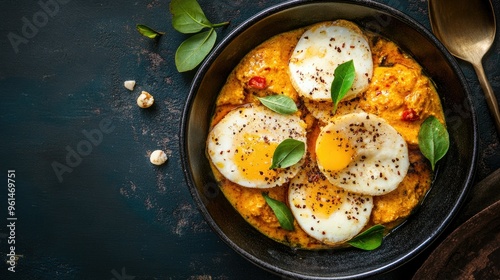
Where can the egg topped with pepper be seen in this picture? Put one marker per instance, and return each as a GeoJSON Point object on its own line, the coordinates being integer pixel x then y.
{"type": "Point", "coordinates": [242, 144]}
{"type": "Point", "coordinates": [326, 212]}
{"type": "Point", "coordinates": [362, 153]}
{"type": "Point", "coordinates": [320, 50]}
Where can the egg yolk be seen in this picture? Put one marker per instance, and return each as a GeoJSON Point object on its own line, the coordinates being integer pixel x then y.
{"type": "Point", "coordinates": [333, 151]}
{"type": "Point", "coordinates": [254, 157]}
{"type": "Point", "coordinates": [324, 199]}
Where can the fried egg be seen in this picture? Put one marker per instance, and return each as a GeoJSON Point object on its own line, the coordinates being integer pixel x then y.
{"type": "Point", "coordinates": [325, 212]}
{"type": "Point", "coordinates": [362, 153]}
{"type": "Point", "coordinates": [320, 50]}
{"type": "Point", "coordinates": [242, 144]}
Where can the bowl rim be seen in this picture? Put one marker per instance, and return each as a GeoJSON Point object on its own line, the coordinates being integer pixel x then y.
{"type": "Point", "coordinates": [245, 24]}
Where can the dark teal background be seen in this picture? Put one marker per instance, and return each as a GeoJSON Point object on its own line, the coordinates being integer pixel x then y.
{"type": "Point", "coordinates": [115, 215]}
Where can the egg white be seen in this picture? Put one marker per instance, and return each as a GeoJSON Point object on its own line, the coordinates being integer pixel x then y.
{"type": "Point", "coordinates": [322, 110]}
{"type": "Point", "coordinates": [325, 212]}
{"type": "Point", "coordinates": [320, 50]}
{"type": "Point", "coordinates": [242, 144]}
{"type": "Point", "coordinates": [379, 154]}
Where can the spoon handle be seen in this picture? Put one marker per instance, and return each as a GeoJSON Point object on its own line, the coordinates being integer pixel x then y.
{"type": "Point", "coordinates": [491, 100]}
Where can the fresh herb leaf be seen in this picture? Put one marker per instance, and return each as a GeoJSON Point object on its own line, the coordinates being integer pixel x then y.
{"type": "Point", "coordinates": [192, 51]}
{"type": "Point", "coordinates": [148, 31]}
{"type": "Point", "coordinates": [433, 140]}
{"type": "Point", "coordinates": [288, 153]}
{"type": "Point", "coordinates": [188, 17]}
{"type": "Point", "coordinates": [282, 212]}
{"type": "Point", "coordinates": [342, 82]}
{"type": "Point", "coordinates": [279, 103]}
{"type": "Point", "coordinates": [370, 239]}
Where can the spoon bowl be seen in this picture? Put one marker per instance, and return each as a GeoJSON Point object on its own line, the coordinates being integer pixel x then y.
{"type": "Point", "coordinates": [467, 28]}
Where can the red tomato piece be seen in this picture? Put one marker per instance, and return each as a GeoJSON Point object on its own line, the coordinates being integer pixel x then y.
{"type": "Point", "coordinates": [257, 82]}
{"type": "Point", "coordinates": [409, 115]}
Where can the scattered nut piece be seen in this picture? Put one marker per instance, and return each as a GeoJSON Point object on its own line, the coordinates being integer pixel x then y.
{"type": "Point", "coordinates": [129, 85]}
{"type": "Point", "coordinates": [145, 100]}
{"type": "Point", "coordinates": [158, 157]}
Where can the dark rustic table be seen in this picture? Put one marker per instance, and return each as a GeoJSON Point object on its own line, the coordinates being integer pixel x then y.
{"type": "Point", "coordinates": [88, 204]}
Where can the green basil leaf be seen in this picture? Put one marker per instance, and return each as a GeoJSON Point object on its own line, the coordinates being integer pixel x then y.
{"type": "Point", "coordinates": [282, 212]}
{"type": "Point", "coordinates": [370, 239]}
{"type": "Point", "coordinates": [433, 140]}
{"type": "Point", "coordinates": [191, 52]}
{"type": "Point", "coordinates": [148, 31]}
{"type": "Point", "coordinates": [187, 16]}
{"type": "Point", "coordinates": [288, 153]}
{"type": "Point", "coordinates": [342, 82]}
{"type": "Point", "coordinates": [279, 103]}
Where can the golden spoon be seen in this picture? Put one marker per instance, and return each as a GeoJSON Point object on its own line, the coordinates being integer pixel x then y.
{"type": "Point", "coordinates": [467, 29]}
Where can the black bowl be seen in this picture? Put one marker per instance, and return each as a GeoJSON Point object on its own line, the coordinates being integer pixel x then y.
{"type": "Point", "coordinates": [451, 183]}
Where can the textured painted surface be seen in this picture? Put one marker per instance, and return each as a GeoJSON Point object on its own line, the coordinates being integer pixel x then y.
{"type": "Point", "coordinates": [116, 215]}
